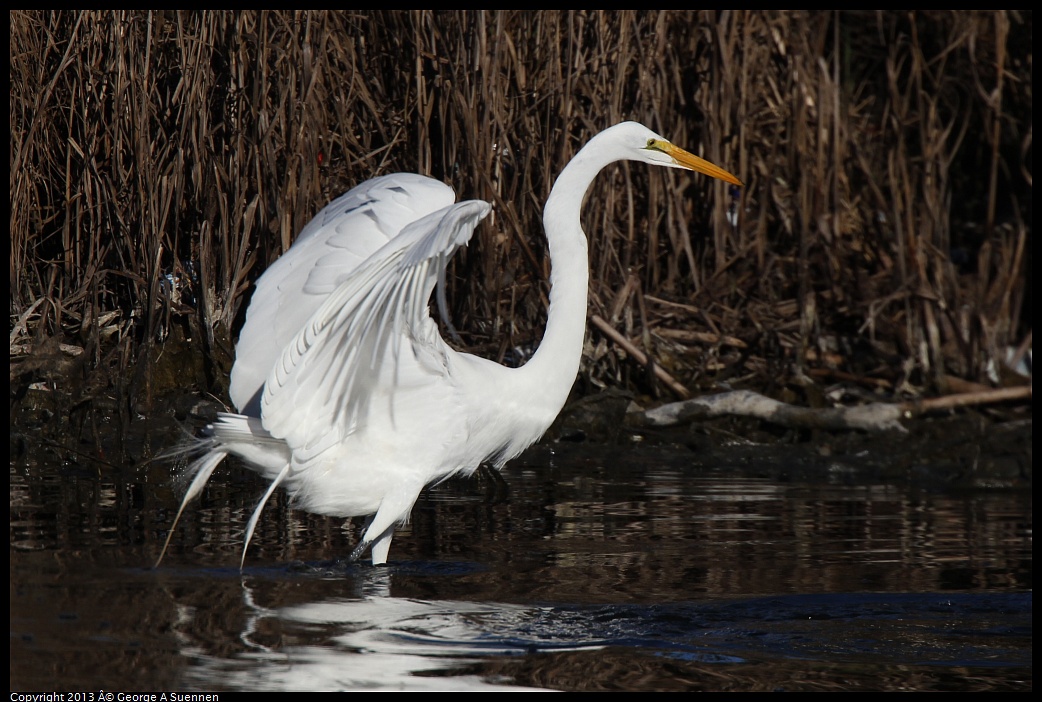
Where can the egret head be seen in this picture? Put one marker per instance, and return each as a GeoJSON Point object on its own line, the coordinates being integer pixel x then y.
{"type": "Point", "coordinates": [635, 142]}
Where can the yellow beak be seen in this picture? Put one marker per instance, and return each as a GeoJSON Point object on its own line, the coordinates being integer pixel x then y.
{"type": "Point", "coordinates": [694, 163]}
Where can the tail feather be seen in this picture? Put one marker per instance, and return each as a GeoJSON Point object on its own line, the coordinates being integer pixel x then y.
{"type": "Point", "coordinates": [247, 438]}
{"type": "Point", "coordinates": [202, 468]}
{"type": "Point", "coordinates": [260, 508]}
{"type": "Point", "coordinates": [244, 437]}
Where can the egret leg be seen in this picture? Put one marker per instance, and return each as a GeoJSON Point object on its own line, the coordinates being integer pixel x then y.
{"type": "Point", "coordinates": [380, 527]}
{"type": "Point", "coordinates": [381, 546]}
{"type": "Point", "coordinates": [358, 551]}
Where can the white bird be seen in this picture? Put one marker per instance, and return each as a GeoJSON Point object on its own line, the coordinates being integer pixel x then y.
{"type": "Point", "coordinates": [349, 397]}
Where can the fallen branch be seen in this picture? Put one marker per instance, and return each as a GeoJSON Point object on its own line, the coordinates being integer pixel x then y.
{"type": "Point", "coordinates": [966, 399]}
{"type": "Point", "coordinates": [639, 356]}
{"type": "Point", "coordinates": [875, 416]}
{"type": "Point", "coordinates": [686, 336]}
{"type": "Point", "coordinates": [745, 403]}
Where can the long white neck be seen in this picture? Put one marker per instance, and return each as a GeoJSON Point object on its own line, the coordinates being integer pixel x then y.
{"type": "Point", "coordinates": [552, 369]}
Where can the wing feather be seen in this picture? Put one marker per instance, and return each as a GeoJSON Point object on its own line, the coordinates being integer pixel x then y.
{"type": "Point", "coordinates": [327, 252]}
{"type": "Point", "coordinates": [371, 336]}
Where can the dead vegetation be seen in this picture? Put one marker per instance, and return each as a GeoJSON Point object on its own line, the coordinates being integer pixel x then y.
{"type": "Point", "coordinates": [161, 160]}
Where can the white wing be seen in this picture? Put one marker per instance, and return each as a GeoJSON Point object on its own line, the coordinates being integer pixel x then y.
{"type": "Point", "coordinates": [342, 236]}
{"type": "Point", "coordinates": [371, 348]}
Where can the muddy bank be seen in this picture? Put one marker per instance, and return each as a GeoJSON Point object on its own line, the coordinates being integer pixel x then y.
{"type": "Point", "coordinates": [968, 448]}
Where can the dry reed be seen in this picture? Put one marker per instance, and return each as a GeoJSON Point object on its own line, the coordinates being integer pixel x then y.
{"type": "Point", "coordinates": [161, 160]}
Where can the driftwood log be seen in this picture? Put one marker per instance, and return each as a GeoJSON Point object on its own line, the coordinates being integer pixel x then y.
{"type": "Point", "coordinates": [874, 416]}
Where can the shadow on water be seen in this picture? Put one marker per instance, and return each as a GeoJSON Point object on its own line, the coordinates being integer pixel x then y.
{"type": "Point", "coordinates": [667, 564]}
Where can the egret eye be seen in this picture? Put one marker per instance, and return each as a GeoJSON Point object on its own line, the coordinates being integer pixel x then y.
{"type": "Point", "coordinates": [651, 144]}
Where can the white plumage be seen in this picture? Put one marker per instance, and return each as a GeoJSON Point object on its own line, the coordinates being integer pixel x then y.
{"type": "Point", "coordinates": [349, 397]}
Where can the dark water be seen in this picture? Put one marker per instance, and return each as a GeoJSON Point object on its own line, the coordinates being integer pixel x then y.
{"type": "Point", "coordinates": [635, 566]}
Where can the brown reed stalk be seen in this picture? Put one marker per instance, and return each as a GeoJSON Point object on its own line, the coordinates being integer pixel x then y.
{"type": "Point", "coordinates": [160, 160]}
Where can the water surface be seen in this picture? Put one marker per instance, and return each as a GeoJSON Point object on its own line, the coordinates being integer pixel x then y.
{"type": "Point", "coordinates": [637, 565]}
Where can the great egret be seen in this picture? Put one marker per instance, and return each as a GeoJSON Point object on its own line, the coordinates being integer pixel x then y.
{"type": "Point", "coordinates": [350, 398]}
